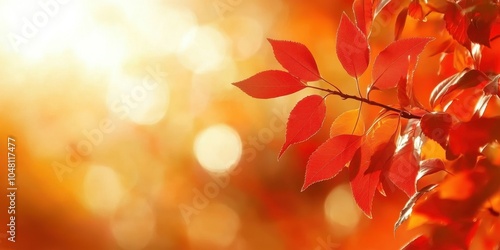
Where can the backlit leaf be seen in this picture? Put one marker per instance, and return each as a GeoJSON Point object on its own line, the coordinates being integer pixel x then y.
{"type": "Point", "coordinates": [270, 84]}
{"type": "Point", "coordinates": [430, 166]}
{"type": "Point", "coordinates": [404, 166]}
{"type": "Point", "coordinates": [404, 100]}
{"type": "Point", "coordinates": [296, 58]}
{"type": "Point", "coordinates": [456, 23]}
{"type": "Point", "coordinates": [345, 122]}
{"type": "Point", "coordinates": [393, 62]}
{"type": "Point", "coordinates": [380, 5]}
{"type": "Point", "coordinates": [468, 137]}
{"type": "Point", "coordinates": [419, 243]}
{"type": "Point", "coordinates": [400, 23]}
{"type": "Point", "coordinates": [415, 10]}
{"type": "Point", "coordinates": [352, 47]}
{"type": "Point", "coordinates": [436, 126]}
{"type": "Point", "coordinates": [459, 81]}
{"type": "Point", "coordinates": [407, 209]}
{"type": "Point", "coordinates": [363, 12]}
{"type": "Point", "coordinates": [330, 158]}
{"type": "Point", "coordinates": [369, 161]}
{"type": "Point", "coordinates": [305, 119]}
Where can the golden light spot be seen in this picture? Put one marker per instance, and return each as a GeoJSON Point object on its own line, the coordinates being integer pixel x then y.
{"type": "Point", "coordinates": [102, 190]}
{"type": "Point", "coordinates": [341, 210]}
{"type": "Point", "coordinates": [203, 49]}
{"type": "Point", "coordinates": [216, 225]}
{"type": "Point", "coordinates": [218, 148]}
{"type": "Point", "coordinates": [133, 224]}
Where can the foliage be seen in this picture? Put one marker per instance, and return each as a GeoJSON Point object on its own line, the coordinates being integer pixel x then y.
{"type": "Point", "coordinates": [459, 205]}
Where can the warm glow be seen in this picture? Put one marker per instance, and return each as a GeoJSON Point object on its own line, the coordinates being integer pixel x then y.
{"type": "Point", "coordinates": [133, 224]}
{"type": "Point", "coordinates": [341, 210]}
{"type": "Point", "coordinates": [142, 99]}
{"type": "Point", "coordinates": [246, 35]}
{"type": "Point", "coordinates": [102, 49]}
{"type": "Point", "coordinates": [203, 49]}
{"type": "Point", "coordinates": [218, 148]}
{"type": "Point", "coordinates": [216, 226]}
{"type": "Point", "coordinates": [102, 190]}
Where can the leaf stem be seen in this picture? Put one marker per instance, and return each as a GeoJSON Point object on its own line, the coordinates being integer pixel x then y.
{"type": "Point", "coordinates": [402, 113]}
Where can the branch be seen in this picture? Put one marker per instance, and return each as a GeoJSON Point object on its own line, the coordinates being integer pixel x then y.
{"type": "Point", "coordinates": [403, 113]}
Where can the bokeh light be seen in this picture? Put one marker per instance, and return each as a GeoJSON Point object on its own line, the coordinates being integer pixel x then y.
{"type": "Point", "coordinates": [216, 227]}
{"type": "Point", "coordinates": [218, 148]}
{"type": "Point", "coordinates": [203, 49]}
{"type": "Point", "coordinates": [341, 210]}
{"type": "Point", "coordinates": [133, 225]}
{"type": "Point", "coordinates": [146, 86]}
{"type": "Point", "coordinates": [102, 190]}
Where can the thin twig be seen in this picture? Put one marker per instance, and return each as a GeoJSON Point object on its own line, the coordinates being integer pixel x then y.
{"type": "Point", "coordinates": [403, 113]}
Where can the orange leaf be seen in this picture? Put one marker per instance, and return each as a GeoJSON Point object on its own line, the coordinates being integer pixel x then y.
{"type": "Point", "coordinates": [344, 124]}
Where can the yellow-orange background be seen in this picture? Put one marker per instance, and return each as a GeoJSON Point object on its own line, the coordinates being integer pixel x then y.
{"type": "Point", "coordinates": [126, 192]}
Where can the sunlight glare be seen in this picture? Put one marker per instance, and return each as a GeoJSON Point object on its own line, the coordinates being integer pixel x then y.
{"type": "Point", "coordinates": [218, 148]}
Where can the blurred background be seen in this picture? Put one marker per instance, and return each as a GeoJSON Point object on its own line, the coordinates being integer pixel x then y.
{"type": "Point", "coordinates": [130, 135]}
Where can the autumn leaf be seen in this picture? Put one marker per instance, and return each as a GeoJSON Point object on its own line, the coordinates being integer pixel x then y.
{"type": "Point", "coordinates": [352, 47]}
{"type": "Point", "coordinates": [415, 10]}
{"type": "Point", "coordinates": [400, 23]}
{"type": "Point", "coordinates": [373, 155]}
{"type": "Point", "coordinates": [430, 166]}
{"type": "Point", "coordinates": [419, 243]}
{"type": "Point", "coordinates": [393, 62]}
{"type": "Point", "coordinates": [329, 159]}
{"type": "Point", "coordinates": [436, 126]}
{"type": "Point", "coordinates": [457, 23]}
{"type": "Point", "coordinates": [380, 5]}
{"type": "Point", "coordinates": [305, 119]}
{"type": "Point", "coordinates": [468, 137]}
{"type": "Point", "coordinates": [363, 13]}
{"type": "Point", "coordinates": [459, 81]}
{"type": "Point", "coordinates": [407, 209]}
{"type": "Point", "coordinates": [270, 84]}
{"type": "Point", "coordinates": [296, 58]}
{"type": "Point", "coordinates": [345, 122]}
{"type": "Point", "coordinates": [403, 99]}
{"type": "Point", "coordinates": [404, 167]}
{"type": "Point", "coordinates": [482, 18]}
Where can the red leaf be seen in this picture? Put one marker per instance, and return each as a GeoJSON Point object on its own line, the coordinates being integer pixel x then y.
{"type": "Point", "coordinates": [393, 62]}
{"type": "Point", "coordinates": [400, 23]}
{"type": "Point", "coordinates": [363, 12]}
{"type": "Point", "coordinates": [329, 159]}
{"type": "Point", "coordinates": [296, 58]}
{"type": "Point", "coordinates": [404, 167]}
{"type": "Point", "coordinates": [407, 209]}
{"type": "Point", "coordinates": [415, 10]}
{"type": "Point", "coordinates": [368, 162]}
{"type": "Point", "coordinates": [404, 100]}
{"type": "Point", "coordinates": [345, 122]}
{"type": "Point", "coordinates": [270, 84]}
{"type": "Point", "coordinates": [419, 243]}
{"type": "Point", "coordinates": [462, 80]}
{"type": "Point", "coordinates": [469, 137]}
{"type": "Point", "coordinates": [457, 23]}
{"type": "Point", "coordinates": [430, 166]}
{"type": "Point", "coordinates": [482, 18]}
{"type": "Point", "coordinates": [436, 126]}
{"type": "Point", "coordinates": [380, 5]}
{"type": "Point", "coordinates": [305, 120]}
{"type": "Point", "coordinates": [352, 47]}
{"type": "Point", "coordinates": [492, 87]}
